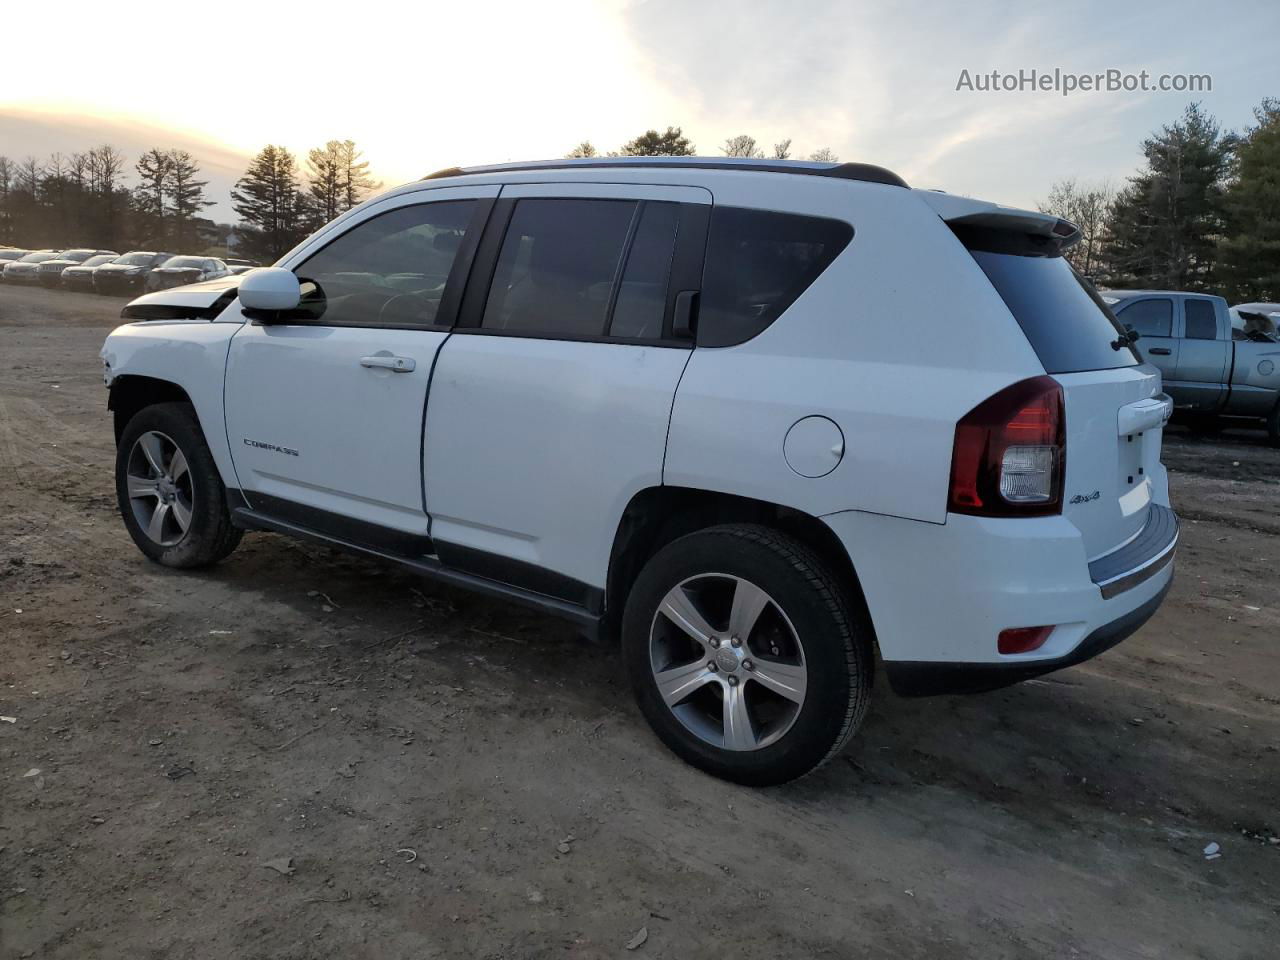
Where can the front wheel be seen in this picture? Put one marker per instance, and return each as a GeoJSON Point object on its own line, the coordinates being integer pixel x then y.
{"type": "Point", "coordinates": [170, 494]}
{"type": "Point", "coordinates": [745, 654]}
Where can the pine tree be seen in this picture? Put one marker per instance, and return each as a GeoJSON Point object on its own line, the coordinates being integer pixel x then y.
{"type": "Point", "coordinates": [356, 180]}
{"type": "Point", "coordinates": [188, 198]}
{"type": "Point", "coordinates": [1250, 250]}
{"type": "Point", "coordinates": [1166, 223]}
{"type": "Point", "coordinates": [325, 182]}
{"type": "Point", "coordinates": [651, 143]}
{"type": "Point", "coordinates": [155, 173]}
{"type": "Point", "coordinates": [270, 203]}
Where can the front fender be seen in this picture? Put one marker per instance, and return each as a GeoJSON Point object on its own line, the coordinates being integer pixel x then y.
{"type": "Point", "coordinates": [191, 354]}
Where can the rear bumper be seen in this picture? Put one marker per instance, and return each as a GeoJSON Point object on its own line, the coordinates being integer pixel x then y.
{"type": "Point", "coordinates": [939, 594]}
{"type": "Point", "coordinates": [924, 679]}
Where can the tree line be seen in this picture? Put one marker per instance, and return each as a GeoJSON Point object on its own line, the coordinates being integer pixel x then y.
{"type": "Point", "coordinates": [673, 143]}
{"type": "Point", "coordinates": [83, 199]}
{"type": "Point", "coordinates": [1202, 212]}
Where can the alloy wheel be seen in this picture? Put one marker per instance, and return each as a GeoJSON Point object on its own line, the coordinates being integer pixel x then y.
{"type": "Point", "coordinates": [159, 487]}
{"type": "Point", "coordinates": [727, 662]}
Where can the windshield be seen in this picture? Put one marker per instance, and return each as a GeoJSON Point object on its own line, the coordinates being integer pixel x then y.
{"type": "Point", "coordinates": [98, 260]}
{"type": "Point", "coordinates": [1068, 325]}
{"type": "Point", "coordinates": [188, 262]}
{"type": "Point", "coordinates": [38, 257]}
{"type": "Point", "coordinates": [135, 259]}
{"type": "Point", "coordinates": [12, 254]}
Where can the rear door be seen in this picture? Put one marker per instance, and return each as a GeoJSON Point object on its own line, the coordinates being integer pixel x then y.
{"type": "Point", "coordinates": [550, 403]}
{"type": "Point", "coordinates": [1111, 463]}
{"type": "Point", "coordinates": [1203, 355]}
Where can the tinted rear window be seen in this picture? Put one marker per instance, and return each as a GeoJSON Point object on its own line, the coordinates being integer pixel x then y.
{"type": "Point", "coordinates": [758, 263]}
{"type": "Point", "coordinates": [1067, 324]}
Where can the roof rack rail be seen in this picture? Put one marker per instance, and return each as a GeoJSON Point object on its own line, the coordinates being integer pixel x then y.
{"type": "Point", "coordinates": [865, 172]}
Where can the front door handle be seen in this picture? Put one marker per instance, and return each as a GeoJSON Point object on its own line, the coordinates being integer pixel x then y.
{"type": "Point", "coordinates": [1160, 351]}
{"type": "Point", "coordinates": [394, 364]}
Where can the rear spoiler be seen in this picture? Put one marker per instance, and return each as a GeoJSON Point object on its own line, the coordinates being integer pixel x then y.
{"type": "Point", "coordinates": [982, 225]}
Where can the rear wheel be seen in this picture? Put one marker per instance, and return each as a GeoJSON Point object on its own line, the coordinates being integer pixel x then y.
{"type": "Point", "coordinates": [745, 655]}
{"type": "Point", "coordinates": [171, 497]}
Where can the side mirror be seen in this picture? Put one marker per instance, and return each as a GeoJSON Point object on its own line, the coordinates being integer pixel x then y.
{"type": "Point", "coordinates": [267, 290]}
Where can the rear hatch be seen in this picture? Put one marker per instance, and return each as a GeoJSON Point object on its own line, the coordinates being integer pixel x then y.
{"type": "Point", "coordinates": [1114, 406]}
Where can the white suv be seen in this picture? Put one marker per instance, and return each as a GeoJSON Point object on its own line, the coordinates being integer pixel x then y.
{"type": "Point", "coordinates": [755, 418]}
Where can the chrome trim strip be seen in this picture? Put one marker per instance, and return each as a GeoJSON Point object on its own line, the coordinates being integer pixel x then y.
{"type": "Point", "coordinates": [1139, 574]}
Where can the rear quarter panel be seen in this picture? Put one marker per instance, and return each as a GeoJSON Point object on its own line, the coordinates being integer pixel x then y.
{"type": "Point", "coordinates": [899, 338]}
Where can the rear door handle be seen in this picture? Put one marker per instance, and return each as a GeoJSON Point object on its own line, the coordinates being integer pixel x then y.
{"type": "Point", "coordinates": [394, 364]}
{"type": "Point", "coordinates": [1160, 351]}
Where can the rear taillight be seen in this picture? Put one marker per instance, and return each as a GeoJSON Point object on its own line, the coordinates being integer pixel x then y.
{"type": "Point", "coordinates": [1010, 453]}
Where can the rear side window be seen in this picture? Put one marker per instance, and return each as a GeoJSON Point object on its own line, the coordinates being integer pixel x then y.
{"type": "Point", "coordinates": [758, 263]}
{"type": "Point", "coordinates": [1202, 321]}
{"type": "Point", "coordinates": [579, 268]}
{"type": "Point", "coordinates": [1151, 318]}
{"type": "Point", "coordinates": [1062, 316]}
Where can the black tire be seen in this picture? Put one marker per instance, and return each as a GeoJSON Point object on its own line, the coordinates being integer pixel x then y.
{"type": "Point", "coordinates": [209, 536]}
{"type": "Point", "coordinates": [830, 625]}
{"type": "Point", "coordinates": [1273, 426]}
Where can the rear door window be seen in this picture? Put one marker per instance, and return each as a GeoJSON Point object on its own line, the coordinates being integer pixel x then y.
{"type": "Point", "coordinates": [1151, 318]}
{"type": "Point", "coordinates": [1201, 320]}
{"type": "Point", "coordinates": [758, 263]}
{"type": "Point", "coordinates": [584, 269]}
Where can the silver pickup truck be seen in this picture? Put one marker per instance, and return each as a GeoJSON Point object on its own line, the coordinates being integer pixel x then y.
{"type": "Point", "coordinates": [1211, 366]}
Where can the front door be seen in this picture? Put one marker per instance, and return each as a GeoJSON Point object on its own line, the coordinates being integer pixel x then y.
{"type": "Point", "coordinates": [550, 402]}
{"type": "Point", "coordinates": [324, 407]}
{"type": "Point", "coordinates": [1152, 318]}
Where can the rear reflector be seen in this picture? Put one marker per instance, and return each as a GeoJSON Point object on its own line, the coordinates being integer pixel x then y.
{"type": "Point", "coordinates": [1022, 639]}
{"type": "Point", "coordinates": [1010, 452]}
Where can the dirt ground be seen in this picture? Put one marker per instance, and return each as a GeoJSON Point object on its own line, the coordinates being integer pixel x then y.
{"type": "Point", "coordinates": [441, 775]}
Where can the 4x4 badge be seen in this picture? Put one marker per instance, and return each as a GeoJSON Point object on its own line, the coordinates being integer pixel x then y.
{"type": "Point", "coordinates": [1086, 497]}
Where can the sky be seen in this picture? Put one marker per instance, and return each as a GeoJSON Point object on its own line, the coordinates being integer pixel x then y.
{"type": "Point", "coordinates": [421, 86]}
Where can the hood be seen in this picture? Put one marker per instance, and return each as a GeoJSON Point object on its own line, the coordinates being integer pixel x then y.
{"type": "Point", "coordinates": [195, 301]}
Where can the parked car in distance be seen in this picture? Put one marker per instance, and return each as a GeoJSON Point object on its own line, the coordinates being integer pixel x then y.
{"type": "Point", "coordinates": [1259, 322]}
{"type": "Point", "coordinates": [239, 268]}
{"type": "Point", "coordinates": [51, 270]}
{"type": "Point", "coordinates": [676, 402]}
{"type": "Point", "coordinates": [1207, 369]}
{"type": "Point", "coordinates": [128, 273]}
{"type": "Point", "coordinates": [177, 271]}
{"type": "Point", "coordinates": [80, 276]}
{"type": "Point", "coordinates": [8, 255]}
{"type": "Point", "coordinates": [26, 269]}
